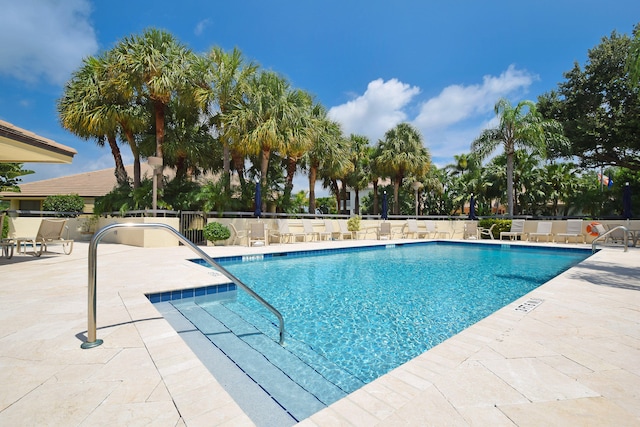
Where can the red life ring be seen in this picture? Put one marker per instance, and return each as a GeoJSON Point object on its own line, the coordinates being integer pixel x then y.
{"type": "Point", "coordinates": [592, 230]}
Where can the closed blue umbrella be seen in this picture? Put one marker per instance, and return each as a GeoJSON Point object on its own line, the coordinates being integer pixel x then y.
{"type": "Point", "coordinates": [258, 201]}
{"type": "Point", "coordinates": [472, 207]}
{"type": "Point", "coordinates": [384, 206]}
{"type": "Point", "coordinates": [626, 202]}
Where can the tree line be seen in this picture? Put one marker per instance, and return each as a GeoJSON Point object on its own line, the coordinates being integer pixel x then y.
{"type": "Point", "coordinates": [220, 114]}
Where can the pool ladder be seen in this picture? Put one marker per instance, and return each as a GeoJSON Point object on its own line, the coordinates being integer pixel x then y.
{"type": "Point", "coordinates": [92, 340]}
{"type": "Point", "coordinates": [620, 227]}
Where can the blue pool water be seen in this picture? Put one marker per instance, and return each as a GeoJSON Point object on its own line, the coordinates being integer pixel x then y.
{"type": "Point", "coordinates": [368, 311]}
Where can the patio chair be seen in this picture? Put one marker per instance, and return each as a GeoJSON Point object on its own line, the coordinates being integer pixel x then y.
{"type": "Point", "coordinates": [517, 230]}
{"type": "Point", "coordinates": [237, 235]}
{"type": "Point", "coordinates": [283, 234]}
{"type": "Point", "coordinates": [384, 231]}
{"type": "Point", "coordinates": [49, 233]}
{"type": "Point", "coordinates": [411, 228]}
{"type": "Point", "coordinates": [487, 231]}
{"type": "Point", "coordinates": [471, 230]}
{"type": "Point", "coordinates": [543, 230]}
{"type": "Point", "coordinates": [328, 229]}
{"type": "Point", "coordinates": [307, 226]}
{"type": "Point", "coordinates": [257, 234]}
{"type": "Point", "coordinates": [432, 229]}
{"type": "Point", "coordinates": [574, 229]}
{"type": "Point", "coordinates": [344, 229]}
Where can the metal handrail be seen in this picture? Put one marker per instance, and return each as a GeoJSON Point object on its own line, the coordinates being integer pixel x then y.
{"type": "Point", "coordinates": [626, 237]}
{"type": "Point", "coordinates": [92, 340]}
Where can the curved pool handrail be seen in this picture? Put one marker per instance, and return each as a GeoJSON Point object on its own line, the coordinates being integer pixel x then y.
{"type": "Point", "coordinates": [626, 237]}
{"type": "Point", "coordinates": [92, 340]}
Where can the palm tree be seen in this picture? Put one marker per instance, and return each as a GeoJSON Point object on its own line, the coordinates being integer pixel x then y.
{"type": "Point", "coordinates": [87, 109]}
{"type": "Point", "coordinates": [402, 152]}
{"type": "Point", "coordinates": [359, 178]}
{"type": "Point", "coordinates": [519, 126]}
{"type": "Point", "coordinates": [229, 75]}
{"type": "Point", "coordinates": [327, 149]}
{"type": "Point", "coordinates": [156, 67]}
{"type": "Point", "coordinates": [268, 120]}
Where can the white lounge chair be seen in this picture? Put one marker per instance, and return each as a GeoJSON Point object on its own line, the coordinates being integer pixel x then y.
{"type": "Point", "coordinates": [344, 229]}
{"type": "Point", "coordinates": [328, 229]}
{"type": "Point", "coordinates": [517, 230]}
{"type": "Point", "coordinates": [543, 230]}
{"type": "Point", "coordinates": [482, 231]}
{"type": "Point", "coordinates": [283, 234]}
{"type": "Point", "coordinates": [574, 229]}
{"type": "Point", "coordinates": [307, 226]}
{"type": "Point", "coordinates": [411, 228]}
{"type": "Point", "coordinates": [49, 233]}
{"type": "Point", "coordinates": [5, 244]}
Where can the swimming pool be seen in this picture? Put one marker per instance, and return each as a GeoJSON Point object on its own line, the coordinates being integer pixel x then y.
{"type": "Point", "coordinates": [369, 311]}
{"type": "Point", "coordinates": [352, 315]}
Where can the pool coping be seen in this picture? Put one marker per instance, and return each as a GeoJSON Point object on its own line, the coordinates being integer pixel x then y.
{"type": "Point", "coordinates": [595, 379]}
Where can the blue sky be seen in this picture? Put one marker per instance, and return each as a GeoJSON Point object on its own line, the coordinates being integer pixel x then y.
{"type": "Point", "coordinates": [372, 63]}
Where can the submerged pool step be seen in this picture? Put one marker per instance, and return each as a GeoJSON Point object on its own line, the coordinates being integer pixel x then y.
{"type": "Point", "coordinates": [329, 370]}
{"type": "Point", "coordinates": [280, 385]}
{"type": "Point", "coordinates": [285, 358]}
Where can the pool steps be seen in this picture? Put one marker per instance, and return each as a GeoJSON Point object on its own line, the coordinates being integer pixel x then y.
{"type": "Point", "coordinates": [298, 379]}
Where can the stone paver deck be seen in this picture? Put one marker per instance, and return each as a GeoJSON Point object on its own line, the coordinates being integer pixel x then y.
{"type": "Point", "coordinates": [573, 360]}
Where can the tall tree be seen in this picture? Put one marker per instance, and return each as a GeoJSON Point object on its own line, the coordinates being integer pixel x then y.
{"type": "Point", "coordinates": [402, 152]}
{"type": "Point", "coordinates": [360, 177]}
{"type": "Point", "coordinates": [228, 73]}
{"type": "Point", "coordinates": [10, 174]}
{"type": "Point", "coordinates": [156, 66]}
{"type": "Point", "coordinates": [598, 105]}
{"type": "Point", "coordinates": [327, 149]}
{"type": "Point", "coordinates": [519, 127]}
{"type": "Point", "coordinates": [88, 109]}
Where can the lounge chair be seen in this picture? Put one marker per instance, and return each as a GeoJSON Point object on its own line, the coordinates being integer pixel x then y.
{"type": "Point", "coordinates": [471, 230]}
{"type": "Point", "coordinates": [283, 234]}
{"type": "Point", "coordinates": [344, 229]}
{"type": "Point", "coordinates": [432, 229]}
{"type": "Point", "coordinates": [384, 231]}
{"type": "Point", "coordinates": [328, 229]}
{"type": "Point", "coordinates": [574, 229]}
{"type": "Point", "coordinates": [543, 230]}
{"type": "Point", "coordinates": [49, 233]}
{"type": "Point", "coordinates": [517, 230]}
{"type": "Point", "coordinates": [257, 234]}
{"type": "Point", "coordinates": [411, 228]}
{"type": "Point", "coordinates": [307, 226]}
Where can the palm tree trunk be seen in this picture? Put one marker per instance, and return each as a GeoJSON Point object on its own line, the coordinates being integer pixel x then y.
{"type": "Point", "coordinates": [510, 183]}
{"type": "Point", "coordinates": [120, 172]}
{"type": "Point", "coordinates": [396, 195]}
{"type": "Point", "coordinates": [356, 207]}
{"type": "Point", "coordinates": [158, 107]}
{"type": "Point", "coordinates": [375, 197]}
{"type": "Point", "coordinates": [264, 168]}
{"type": "Point", "coordinates": [313, 173]}
{"type": "Point", "coordinates": [226, 167]}
{"type": "Point", "coordinates": [292, 164]}
{"type": "Point", "coordinates": [136, 156]}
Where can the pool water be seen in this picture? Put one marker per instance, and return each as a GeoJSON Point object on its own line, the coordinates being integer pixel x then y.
{"type": "Point", "coordinates": [369, 311]}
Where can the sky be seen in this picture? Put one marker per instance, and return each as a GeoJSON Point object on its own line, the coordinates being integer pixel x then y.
{"type": "Point", "coordinates": [372, 64]}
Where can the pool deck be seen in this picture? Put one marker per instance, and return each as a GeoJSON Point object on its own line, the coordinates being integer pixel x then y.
{"type": "Point", "coordinates": [574, 359]}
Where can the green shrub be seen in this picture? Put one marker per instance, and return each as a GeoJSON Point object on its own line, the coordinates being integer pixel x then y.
{"type": "Point", "coordinates": [502, 225]}
{"type": "Point", "coordinates": [353, 223]}
{"type": "Point", "coordinates": [215, 231]}
{"type": "Point", "coordinates": [63, 203]}
{"type": "Point", "coordinates": [4, 227]}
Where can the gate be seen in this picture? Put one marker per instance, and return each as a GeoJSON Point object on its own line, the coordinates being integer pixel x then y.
{"type": "Point", "coordinates": [191, 225]}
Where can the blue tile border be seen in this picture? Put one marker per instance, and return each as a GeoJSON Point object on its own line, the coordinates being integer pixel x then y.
{"type": "Point", "coordinates": [180, 294]}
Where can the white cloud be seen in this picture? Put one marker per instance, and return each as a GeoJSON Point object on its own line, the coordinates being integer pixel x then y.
{"type": "Point", "coordinates": [376, 111]}
{"type": "Point", "coordinates": [200, 27]}
{"type": "Point", "coordinates": [45, 39]}
{"type": "Point", "coordinates": [457, 102]}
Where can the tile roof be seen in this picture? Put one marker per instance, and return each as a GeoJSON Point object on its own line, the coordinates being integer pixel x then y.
{"type": "Point", "coordinates": [20, 146]}
{"type": "Point", "coordinates": [87, 184]}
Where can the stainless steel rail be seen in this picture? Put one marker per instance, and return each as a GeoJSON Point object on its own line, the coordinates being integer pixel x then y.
{"type": "Point", "coordinates": [92, 340]}
{"type": "Point", "coordinates": [626, 237]}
